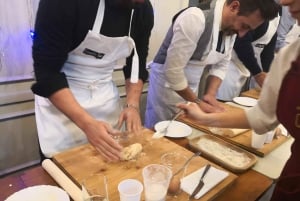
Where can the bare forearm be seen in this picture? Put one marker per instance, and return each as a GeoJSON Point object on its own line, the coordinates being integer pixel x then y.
{"type": "Point", "coordinates": [97, 132]}
{"type": "Point", "coordinates": [134, 92]}
{"type": "Point", "coordinates": [232, 119]}
{"type": "Point", "coordinates": [213, 84]}
{"type": "Point", "coordinates": [64, 101]}
{"type": "Point", "coordinates": [187, 94]}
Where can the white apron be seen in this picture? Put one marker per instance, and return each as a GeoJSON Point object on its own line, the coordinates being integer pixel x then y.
{"type": "Point", "coordinates": [162, 100]}
{"type": "Point", "coordinates": [88, 69]}
{"type": "Point", "coordinates": [238, 74]}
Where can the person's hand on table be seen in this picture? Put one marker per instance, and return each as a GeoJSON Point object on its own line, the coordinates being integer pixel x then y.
{"type": "Point", "coordinates": [99, 135]}
{"type": "Point", "coordinates": [131, 116]}
{"type": "Point", "coordinates": [193, 111]}
{"type": "Point", "coordinates": [210, 104]}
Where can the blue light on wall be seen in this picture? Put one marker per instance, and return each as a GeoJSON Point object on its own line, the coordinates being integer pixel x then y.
{"type": "Point", "coordinates": [32, 34]}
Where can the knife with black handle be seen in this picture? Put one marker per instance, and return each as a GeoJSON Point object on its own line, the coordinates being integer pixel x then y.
{"type": "Point", "coordinates": [201, 183]}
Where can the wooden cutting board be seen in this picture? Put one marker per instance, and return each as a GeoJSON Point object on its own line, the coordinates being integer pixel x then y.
{"type": "Point", "coordinates": [243, 140]}
{"type": "Point", "coordinates": [80, 162]}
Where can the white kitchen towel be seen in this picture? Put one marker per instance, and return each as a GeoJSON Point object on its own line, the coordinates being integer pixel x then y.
{"type": "Point", "coordinates": [64, 181]}
{"type": "Point", "coordinates": [212, 178]}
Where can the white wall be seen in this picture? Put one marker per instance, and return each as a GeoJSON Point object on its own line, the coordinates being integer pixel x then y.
{"type": "Point", "coordinates": [16, 20]}
{"type": "Point", "coordinates": [18, 138]}
{"type": "Point", "coordinates": [164, 10]}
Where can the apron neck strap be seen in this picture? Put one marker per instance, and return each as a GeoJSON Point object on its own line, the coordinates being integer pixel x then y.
{"type": "Point", "coordinates": [96, 28]}
{"type": "Point", "coordinates": [132, 11]}
{"type": "Point", "coordinates": [99, 17]}
{"type": "Point", "coordinates": [135, 59]}
{"type": "Point", "coordinates": [134, 77]}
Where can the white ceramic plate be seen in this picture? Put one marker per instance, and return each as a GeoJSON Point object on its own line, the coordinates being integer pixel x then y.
{"type": "Point", "coordinates": [40, 193]}
{"type": "Point", "coordinates": [245, 101]}
{"type": "Point", "coordinates": [176, 129]}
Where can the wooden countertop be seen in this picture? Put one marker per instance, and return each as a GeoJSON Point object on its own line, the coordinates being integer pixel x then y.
{"type": "Point", "coordinates": [248, 186]}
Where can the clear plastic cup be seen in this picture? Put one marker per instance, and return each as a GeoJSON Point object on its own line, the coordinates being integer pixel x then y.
{"type": "Point", "coordinates": [174, 161]}
{"type": "Point", "coordinates": [156, 182]}
{"type": "Point", "coordinates": [94, 188]}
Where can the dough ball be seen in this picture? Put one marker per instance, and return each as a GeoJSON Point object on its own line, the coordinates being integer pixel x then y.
{"type": "Point", "coordinates": [131, 152]}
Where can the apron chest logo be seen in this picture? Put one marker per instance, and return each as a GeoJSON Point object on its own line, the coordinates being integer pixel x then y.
{"type": "Point", "coordinates": [93, 53]}
{"type": "Point", "coordinates": [259, 45]}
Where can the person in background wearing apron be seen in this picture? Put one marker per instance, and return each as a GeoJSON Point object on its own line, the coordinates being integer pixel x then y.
{"type": "Point", "coordinates": [286, 24]}
{"type": "Point", "coordinates": [251, 59]}
{"type": "Point", "coordinates": [279, 103]}
{"type": "Point", "coordinates": [77, 46]}
{"type": "Point", "coordinates": [194, 42]}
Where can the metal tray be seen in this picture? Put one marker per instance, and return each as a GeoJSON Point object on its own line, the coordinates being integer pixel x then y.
{"type": "Point", "coordinates": [227, 157]}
